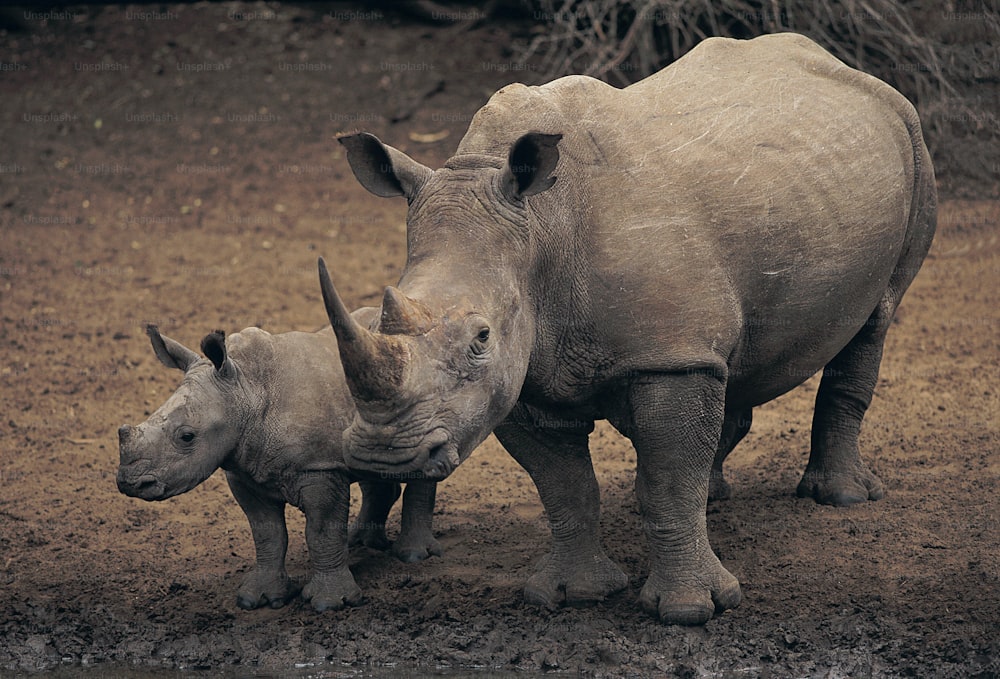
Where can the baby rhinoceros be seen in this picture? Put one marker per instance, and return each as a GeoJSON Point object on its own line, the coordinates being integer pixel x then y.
{"type": "Point", "coordinates": [271, 410]}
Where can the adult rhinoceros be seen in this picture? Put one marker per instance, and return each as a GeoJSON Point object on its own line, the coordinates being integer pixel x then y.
{"type": "Point", "coordinates": [666, 257]}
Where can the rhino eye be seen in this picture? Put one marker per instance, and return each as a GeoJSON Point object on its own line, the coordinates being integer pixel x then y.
{"type": "Point", "coordinates": [478, 346]}
{"type": "Point", "coordinates": [186, 435]}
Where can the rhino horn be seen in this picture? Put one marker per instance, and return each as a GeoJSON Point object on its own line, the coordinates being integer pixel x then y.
{"type": "Point", "coordinates": [402, 315]}
{"type": "Point", "coordinates": [373, 363]}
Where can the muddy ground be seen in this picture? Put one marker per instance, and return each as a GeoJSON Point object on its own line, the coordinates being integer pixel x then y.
{"type": "Point", "coordinates": [174, 164]}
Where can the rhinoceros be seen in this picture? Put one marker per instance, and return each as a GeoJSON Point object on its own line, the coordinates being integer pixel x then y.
{"type": "Point", "coordinates": [665, 256]}
{"type": "Point", "coordinates": [270, 409]}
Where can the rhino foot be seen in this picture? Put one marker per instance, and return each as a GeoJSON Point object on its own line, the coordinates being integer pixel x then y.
{"type": "Point", "coordinates": [574, 583]}
{"type": "Point", "coordinates": [265, 588]}
{"type": "Point", "coordinates": [332, 591]}
{"type": "Point", "coordinates": [374, 538]}
{"type": "Point", "coordinates": [841, 489]}
{"type": "Point", "coordinates": [691, 603]}
{"type": "Point", "coordinates": [414, 546]}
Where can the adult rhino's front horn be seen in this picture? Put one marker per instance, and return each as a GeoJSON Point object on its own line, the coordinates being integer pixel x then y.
{"type": "Point", "coordinates": [374, 363]}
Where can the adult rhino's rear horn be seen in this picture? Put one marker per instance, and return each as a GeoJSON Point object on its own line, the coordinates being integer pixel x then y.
{"type": "Point", "coordinates": [402, 315]}
{"type": "Point", "coordinates": [373, 363]}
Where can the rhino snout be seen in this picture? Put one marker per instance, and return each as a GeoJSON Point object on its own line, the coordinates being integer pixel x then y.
{"type": "Point", "coordinates": [145, 486]}
{"type": "Point", "coordinates": [414, 461]}
{"type": "Point", "coordinates": [133, 478]}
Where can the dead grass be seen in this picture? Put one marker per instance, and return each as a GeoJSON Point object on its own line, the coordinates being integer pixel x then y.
{"type": "Point", "coordinates": [945, 57]}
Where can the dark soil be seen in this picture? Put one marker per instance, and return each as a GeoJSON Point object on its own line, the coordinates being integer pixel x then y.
{"type": "Point", "coordinates": [175, 164]}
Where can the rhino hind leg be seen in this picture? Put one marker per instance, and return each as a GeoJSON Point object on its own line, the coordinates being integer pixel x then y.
{"type": "Point", "coordinates": [734, 428]}
{"type": "Point", "coordinates": [416, 539]}
{"type": "Point", "coordinates": [835, 474]}
{"type": "Point", "coordinates": [557, 457]}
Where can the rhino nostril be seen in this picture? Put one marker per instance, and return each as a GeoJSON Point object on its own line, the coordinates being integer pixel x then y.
{"type": "Point", "coordinates": [124, 432]}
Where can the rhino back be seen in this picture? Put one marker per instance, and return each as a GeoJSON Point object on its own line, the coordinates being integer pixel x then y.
{"type": "Point", "coordinates": [752, 184]}
{"type": "Point", "coordinates": [307, 405]}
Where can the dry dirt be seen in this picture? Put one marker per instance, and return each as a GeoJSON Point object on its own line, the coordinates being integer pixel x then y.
{"type": "Point", "coordinates": [174, 164]}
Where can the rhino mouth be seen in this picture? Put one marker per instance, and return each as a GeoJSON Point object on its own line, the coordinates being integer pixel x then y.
{"type": "Point", "coordinates": [441, 461]}
{"type": "Point", "coordinates": [145, 487]}
{"type": "Point", "coordinates": [434, 458]}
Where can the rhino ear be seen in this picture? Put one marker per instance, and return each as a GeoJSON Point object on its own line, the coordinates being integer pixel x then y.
{"type": "Point", "coordinates": [171, 354]}
{"type": "Point", "coordinates": [214, 346]}
{"type": "Point", "coordinates": [531, 160]}
{"type": "Point", "coordinates": [382, 169]}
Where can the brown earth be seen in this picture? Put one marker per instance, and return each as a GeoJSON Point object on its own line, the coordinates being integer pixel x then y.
{"type": "Point", "coordinates": [174, 164]}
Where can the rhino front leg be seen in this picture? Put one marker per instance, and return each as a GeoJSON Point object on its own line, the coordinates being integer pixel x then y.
{"type": "Point", "coordinates": [416, 539]}
{"type": "Point", "coordinates": [835, 474]}
{"type": "Point", "coordinates": [325, 499]}
{"type": "Point", "coordinates": [267, 584]}
{"type": "Point", "coordinates": [555, 453]}
{"type": "Point", "coordinates": [675, 423]}
{"type": "Point", "coordinates": [377, 498]}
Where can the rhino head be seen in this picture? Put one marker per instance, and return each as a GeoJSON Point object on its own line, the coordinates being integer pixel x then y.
{"type": "Point", "coordinates": [444, 360]}
{"type": "Point", "coordinates": [189, 436]}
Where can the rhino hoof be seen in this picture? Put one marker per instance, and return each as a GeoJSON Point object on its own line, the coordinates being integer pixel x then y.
{"type": "Point", "coordinates": [584, 582]}
{"type": "Point", "coordinates": [687, 615]}
{"type": "Point", "coordinates": [691, 608]}
{"type": "Point", "coordinates": [332, 591]}
{"type": "Point", "coordinates": [414, 548]}
{"type": "Point", "coordinates": [249, 604]}
{"type": "Point", "coordinates": [246, 603]}
{"type": "Point", "coordinates": [265, 588]}
{"type": "Point", "coordinates": [321, 605]}
{"type": "Point", "coordinates": [840, 489]}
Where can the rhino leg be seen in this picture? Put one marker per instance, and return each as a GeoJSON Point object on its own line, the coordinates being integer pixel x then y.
{"type": "Point", "coordinates": [267, 584]}
{"type": "Point", "coordinates": [416, 539]}
{"type": "Point", "coordinates": [325, 500]}
{"type": "Point", "coordinates": [734, 427]}
{"type": "Point", "coordinates": [576, 570]}
{"type": "Point", "coordinates": [835, 474]}
{"type": "Point", "coordinates": [675, 423]}
{"type": "Point", "coordinates": [377, 498]}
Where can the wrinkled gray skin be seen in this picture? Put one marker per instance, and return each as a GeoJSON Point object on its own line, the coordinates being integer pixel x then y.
{"type": "Point", "coordinates": [270, 410]}
{"type": "Point", "coordinates": [666, 257]}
